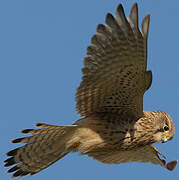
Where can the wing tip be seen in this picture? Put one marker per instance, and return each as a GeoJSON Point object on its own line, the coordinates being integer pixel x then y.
{"type": "Point", "coordinates": [133, 16]}
{"type": "Point", "coordinates": [145, 25]}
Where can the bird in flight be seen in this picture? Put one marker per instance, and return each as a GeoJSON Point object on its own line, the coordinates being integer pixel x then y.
{"type": "Point", "coordinates": [113, 128]}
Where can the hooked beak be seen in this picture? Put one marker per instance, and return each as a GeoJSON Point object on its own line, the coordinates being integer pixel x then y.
{"type": "Point", "coordinates": [165, 138]}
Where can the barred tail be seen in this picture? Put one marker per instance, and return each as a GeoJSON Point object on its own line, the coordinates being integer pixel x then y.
{"type": "Point", "coordinates": [43, 148]}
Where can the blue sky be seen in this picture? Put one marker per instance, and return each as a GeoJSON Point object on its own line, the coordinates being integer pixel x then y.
{"type": "Point", "coordinates": [43, 43]}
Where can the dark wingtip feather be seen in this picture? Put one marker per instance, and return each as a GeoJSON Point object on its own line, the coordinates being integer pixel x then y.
{"type": "Point", "coordinates": [9, 162]}
{"type": "Point", "coordinates": [12, 152]}
{"type": "Point", "coordinates": [134, 15]}
{"type": "Point", "coordinates": [100, 27]}
{"type": "Point", "coordinates": [38, 124]}
{"type": "Point", "coordinates": [42, 125]}
{"type": "Point", "coordinates": [15, 168]}
{"type": "Point", "coordinates": [135, 5]}
{"type": "Point", "coordinates": [26, 131]}
{"type": "Point", "coordinates": [119, 6]}
{"type": "Point", "coordinates": [24, 173]}
{"type": "Point", "coordinates": [18, 140]}
{"type": "Point", "coordinates": [109, 19]}
{"type": "Point", "coordinates": [120, 9]}
{"type": "Point", "coordinates": [18, 173]}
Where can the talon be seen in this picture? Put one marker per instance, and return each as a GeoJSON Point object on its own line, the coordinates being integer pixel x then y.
{"type": "Point", "coordinates": [164, 162]}
{"type": "Point", "coordinates": [159, 152]}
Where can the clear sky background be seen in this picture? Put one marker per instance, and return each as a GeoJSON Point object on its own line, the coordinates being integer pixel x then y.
{"type": "Point", "coordinates": [42, 45]}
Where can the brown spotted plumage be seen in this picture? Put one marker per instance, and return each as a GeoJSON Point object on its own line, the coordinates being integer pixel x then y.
{"type": "Point", "coordinates": [114, 127]}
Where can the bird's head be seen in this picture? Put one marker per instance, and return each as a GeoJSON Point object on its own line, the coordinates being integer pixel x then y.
{"type": "Point", "coordinates": [164, 127]}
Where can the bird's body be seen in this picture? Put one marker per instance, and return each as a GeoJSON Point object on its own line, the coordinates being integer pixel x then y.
{"type": "Point", "coordinates": [114, 127]}
{"type": "Point", "coordinates": [113, 133]}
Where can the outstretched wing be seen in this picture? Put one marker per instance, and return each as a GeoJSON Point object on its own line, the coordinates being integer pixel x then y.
{"type": "Point", "coordinates": [147, 153]}
{"type": "Point", "coordinates": [114, 74]}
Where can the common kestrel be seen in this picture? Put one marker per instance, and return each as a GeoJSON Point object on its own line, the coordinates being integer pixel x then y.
{"type": "Point", "coordinates": [114, 128]}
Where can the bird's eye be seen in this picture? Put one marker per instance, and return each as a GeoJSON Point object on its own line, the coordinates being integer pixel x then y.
{"type": "Point", "coordinates": [165, 128]}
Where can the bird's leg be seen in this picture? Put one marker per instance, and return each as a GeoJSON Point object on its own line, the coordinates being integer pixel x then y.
{"type": "Point", "coordinates": [158, 151]}
{"type": "Point", "coordinates": [170, 165]}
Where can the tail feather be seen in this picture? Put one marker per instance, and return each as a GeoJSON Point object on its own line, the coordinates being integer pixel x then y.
{"type": "Point", "coordinates": [31, 131]}
{"type": "Point", "coordinates": [43, 148]}
{"type": "Point", "coordinates": [44, 125]}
